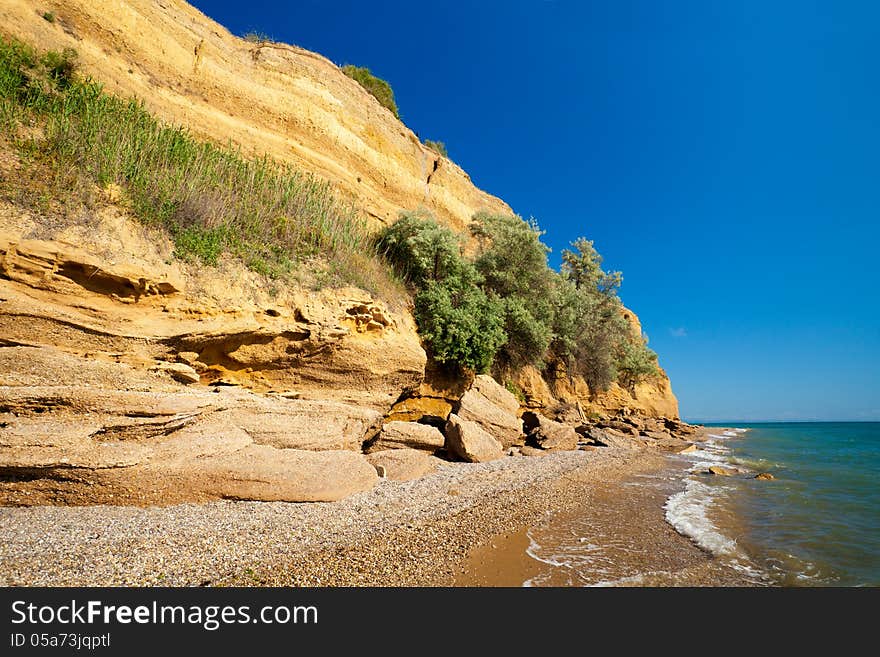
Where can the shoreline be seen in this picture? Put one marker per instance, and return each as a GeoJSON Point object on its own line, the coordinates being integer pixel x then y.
{"type": "Point", "coordinates": [427, 532]}
{"type": "Point", "coordinates": [622, 521]}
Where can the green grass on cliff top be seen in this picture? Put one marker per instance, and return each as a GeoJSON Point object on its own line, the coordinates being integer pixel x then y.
{"type": "Point", "coordinates": [73, 138]}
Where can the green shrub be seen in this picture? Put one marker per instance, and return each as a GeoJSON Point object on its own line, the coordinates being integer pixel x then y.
{"type": "Point", "coordinates": [513, 263]}
{"type": "Point", "coordinates": [422, 251]}
{"type": "Point", "coordinates": [459, 324]}
{"type": "Point", "coordinates": [211, 199]}
{"type": "Point", "coordinates": [378, 87]}
{"type": "Point", "coordinates": [256, 37]}
{"type": "Point", "coordinates": [515, 390]}
{"type": "Point", "coordinates": [636, 362]}
{"type": "Point", "coordinates": [590, 332]}
{"type": "Point", "coordinates": [583, 267]}
{"type": "Point", "coordinates": [437, 146]}
{"type": "Point", "coordinates": [570, 306]}
{"type": "Point", "coordinates": [597, 355]}
{"type": "Point", "coordinates": [528, 336]}
{"type": "Point", "coordinates": [60, 66]}
{"type": "Point", "coordinates": [48, 16]}
{"type": "Point", "coordinates": [507, 308]}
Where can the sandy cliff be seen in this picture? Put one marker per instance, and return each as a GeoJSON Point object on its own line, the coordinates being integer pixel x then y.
{"type": "Point", "coordinates": [270, 98]}
{"type": "Point", "coordinates": [128, 375]}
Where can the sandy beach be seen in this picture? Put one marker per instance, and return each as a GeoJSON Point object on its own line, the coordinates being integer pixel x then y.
{"type": "Point", "coordinates": [467, 524]}
{"type": "Point", "coordinates": [613, 532]}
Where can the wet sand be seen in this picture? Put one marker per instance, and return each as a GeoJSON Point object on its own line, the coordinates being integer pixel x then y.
{"type": "Point", "coordinates": [616, 536]}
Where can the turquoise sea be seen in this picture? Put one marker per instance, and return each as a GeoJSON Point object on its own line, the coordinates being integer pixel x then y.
{"type": "Point", "coordinates": [817, 523]}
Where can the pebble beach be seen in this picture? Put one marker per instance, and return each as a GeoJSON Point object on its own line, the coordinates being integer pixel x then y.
{"type": "Point", "coordinates": [434, 531]}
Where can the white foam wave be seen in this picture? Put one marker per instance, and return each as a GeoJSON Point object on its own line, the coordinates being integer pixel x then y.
{"type": "Point", "coordinates": [688, 512]}
{"type": "Point", "coordinates": [631, 580]}
{"type": "Point", "coordinates": [700, 455]}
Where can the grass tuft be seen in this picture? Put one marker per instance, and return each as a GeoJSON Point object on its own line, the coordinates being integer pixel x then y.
{"type": "Point", "coordinates": [379, 88]}
{"type": "Point", "coordinates": [256, 37]}
{"type": "Point", "coordinates": [437, 146]}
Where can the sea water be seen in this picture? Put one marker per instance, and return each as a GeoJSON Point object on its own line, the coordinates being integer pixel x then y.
{"type": "Point", "coordinates": [817, 523]}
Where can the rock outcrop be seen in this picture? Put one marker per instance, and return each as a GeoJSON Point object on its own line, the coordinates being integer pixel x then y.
{"type": "Point", "coordinates": [260, 472]}
{"type": "Point", "coordinates": [126, 379]}
{"type": "Point", "coordinates": [493, 408]}
{"type": "Point", "coordinates": [548, 434]}
{"type": "Point", "coordinates": [470, 442]}
{"type": "Point", "coordinates": [59, 295]}
{"type": "Point", "coordinates": [403, 464]}
{"type": "Point", "coordinates": [396, 435]}
{"type": "Point", "coordinates": [171, 444]}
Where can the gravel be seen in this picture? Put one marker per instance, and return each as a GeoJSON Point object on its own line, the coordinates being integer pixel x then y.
{"type": "Point", "coordinates": [397, 534]}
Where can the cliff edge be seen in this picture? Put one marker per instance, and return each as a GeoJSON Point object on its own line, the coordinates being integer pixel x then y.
{"type": "Point", "coordinates": [269, 98]}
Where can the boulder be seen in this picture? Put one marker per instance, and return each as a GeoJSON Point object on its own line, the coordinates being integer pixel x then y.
{"type": "Point", "coordinates": [593, 436]}
{"type": "Point", "coordinates": [619, 440]}
{"type": "Point", "coordinates": [527, 450]}
{"type": "Point", "coordinates": [679, 427]}
{"type": "Point", "coordinates": [403, 464]}
{"type": "Point", "coordinates": [649, 424]}
{"type": "Point", "coordinates": [765, 476]}
{"type": "Point", "coordinates": [178, 371]}
{"type": "Point", "coordinates": [718, 470]}
{"type": "Point", "coordinates": [497, 421]}
{"type": "Point", "coordinates": [303, 424]}
{"type": "Point", "coordinates": [496, 393]}
{"type": "Point", "coordinates": [674, 445]}
{"type": "Point", "coordinates": [411, 435]}
{"type": "Point", "coordinates": [469, 441]}
{"type": "Point", "coordinates": [413, 409]}
{"type": "Point", "coordinates": [622, 426]}
{"type": "Point", "coordinates": [433, 400]}
{"type": "Point", "coordinates": [657, 435]}
{"type": "Point", "coordinates": [548, 434]}
{"type": "Point", "coordinates": [265, 473]}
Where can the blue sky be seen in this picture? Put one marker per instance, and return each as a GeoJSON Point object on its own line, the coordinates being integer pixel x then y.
{"type": "Point", "coordinates": [723, 155]}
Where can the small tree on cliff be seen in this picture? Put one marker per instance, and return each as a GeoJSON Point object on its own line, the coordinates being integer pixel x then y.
{"type": "Point", "coordinates": [513, 263]}
{"type": "Point", "coordinates": [592, 336]}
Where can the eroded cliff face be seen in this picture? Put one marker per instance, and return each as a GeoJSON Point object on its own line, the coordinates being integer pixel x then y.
{"type": "Point", "coordinates": [127, 376]}
{"type": "Point", "coordinates": [111, 290]}
{"type": "Point", "coordinates": [273, 98]}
